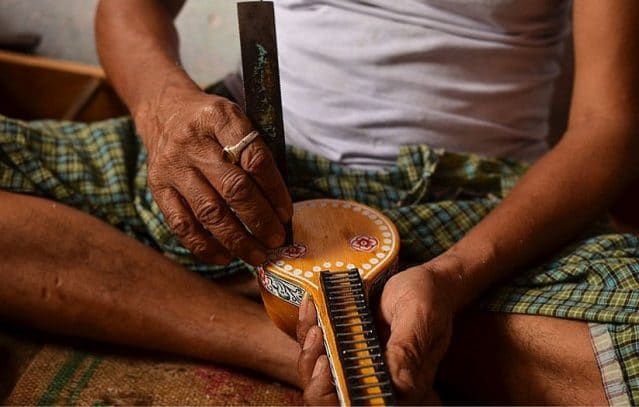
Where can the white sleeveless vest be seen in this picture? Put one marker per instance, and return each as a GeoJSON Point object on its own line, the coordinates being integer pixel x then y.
{"type": "Point", "coordinates": [362, 78]}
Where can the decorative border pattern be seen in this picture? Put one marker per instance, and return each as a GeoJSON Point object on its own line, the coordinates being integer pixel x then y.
{"type": "Point", "coordinates": [281, 288]}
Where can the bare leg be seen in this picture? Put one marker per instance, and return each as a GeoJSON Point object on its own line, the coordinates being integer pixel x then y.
{"type": "Point", "coordinates": [66, 272]}
{"type": "Point", "coordinates": [522, 359]}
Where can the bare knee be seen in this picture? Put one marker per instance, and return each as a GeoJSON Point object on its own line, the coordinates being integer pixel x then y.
{"type": "Point", "coordinates": [521, 359]}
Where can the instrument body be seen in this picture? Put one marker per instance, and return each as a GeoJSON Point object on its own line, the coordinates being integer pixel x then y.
{"type": "Point", "coordinates": [334, 242]}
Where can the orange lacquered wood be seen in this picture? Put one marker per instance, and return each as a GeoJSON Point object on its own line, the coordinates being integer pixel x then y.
{"type": "Point", "coordinates": [283, 314]}
{"type": "Point", "coordinates": [326, 229]}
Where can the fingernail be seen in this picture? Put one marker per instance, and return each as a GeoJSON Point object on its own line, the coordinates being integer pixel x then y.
{"type": "Point", "coordinates": [275, 241]}
{"type": "Point", "coordinates": [284, 214]}
{"type": "Point", "coordinates": [257, 257]}
{"type": "Point", "coordinates": [319, 366]}
{"type": "Point", "coordinates": [310, 309]}
{"type": "Point", "coordinates": [310, 338]}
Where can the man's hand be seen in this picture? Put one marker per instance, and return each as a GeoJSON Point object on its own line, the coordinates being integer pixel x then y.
{"type": "Point", "coordinates": [207, 202]}
{"type": "Point", "coordinates": [312, 365]}
{"type": "Point", "coordinates": [417, 315]}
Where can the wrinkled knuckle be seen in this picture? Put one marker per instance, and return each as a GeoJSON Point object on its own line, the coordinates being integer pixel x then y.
{"type": "Point", "coordinates": [180, 138]}
{"type": "Point", "coordinates": [230, 118]}
{"type": "Point", "coordinates": [235, 187]}
{"type": "Point", "coordinates": [227, 108]}
{"type": "Point", "coordinates": [207, 112]}
{"type": "Point", "coordinates": [180, 225]}
{"type": "Point", "coordinates": [219, 111]}
{"type": "Point", "coordinates": [201, 119]}
{"type": "Point", "coordinates": [258, 162]}
{"type": "Point", "coordinates": [209, 213]}
{"type": "Point", "coordinates": [197, 247]}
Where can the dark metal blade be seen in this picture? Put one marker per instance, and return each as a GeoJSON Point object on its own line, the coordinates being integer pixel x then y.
{"type": "Point", "coordinates": [261, 75]}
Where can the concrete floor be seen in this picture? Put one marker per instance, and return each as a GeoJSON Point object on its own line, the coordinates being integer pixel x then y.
{"type": "Point", "coordinates": [208, 32]}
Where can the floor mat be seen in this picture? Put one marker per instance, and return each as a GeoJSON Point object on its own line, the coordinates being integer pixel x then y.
{"type": "Point", "coordinates": [59, 375]}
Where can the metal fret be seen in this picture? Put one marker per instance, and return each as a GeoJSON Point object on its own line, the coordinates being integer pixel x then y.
{"type": "Point", "coordinates": [372, 357]}
{"type": "Point", "coordinates": [355, 350]}
{"type": "Point", "coordinates": [337, 304]}
{"type": "Point", "coordinates": [343, 297]}
{"type": "Point", "coordinates": [354, 333]}
{"type": "Point", "coordinates": [369, 385]}
{"type": "Point", "coordinates": [350, 309]}
{"type": "Point", "coordinates": [362, 324]}
{"type": "Point", "coordinates": [364, 314]}
{"type": "Point", "coordinates": [365, 375]}
{"type": "Point", "coordinates": [355, 341]}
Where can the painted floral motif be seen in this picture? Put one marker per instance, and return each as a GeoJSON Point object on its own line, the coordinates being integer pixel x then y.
{"type": "Point", "coordinates": [364, 243]}
{"type": "Point", "coordinates": [294, 251]}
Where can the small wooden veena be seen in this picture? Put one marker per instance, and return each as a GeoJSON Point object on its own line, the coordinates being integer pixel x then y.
{"type": "Point", "coordinates": [343, 254]}
{"type": "Point", "coordinates": [340, 253]}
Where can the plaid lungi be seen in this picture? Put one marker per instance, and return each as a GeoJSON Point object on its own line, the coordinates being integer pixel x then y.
{"type": "Point", "coordinates": [434, 197]}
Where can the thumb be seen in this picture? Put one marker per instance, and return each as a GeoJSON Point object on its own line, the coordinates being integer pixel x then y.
{"type": "Point", "coordinates": [405, 353]}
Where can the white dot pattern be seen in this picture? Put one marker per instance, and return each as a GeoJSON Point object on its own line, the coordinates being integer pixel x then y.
{"type": "Point", "coordinates": [379, 256]}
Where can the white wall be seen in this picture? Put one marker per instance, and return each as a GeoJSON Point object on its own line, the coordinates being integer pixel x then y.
{"type": "Point", "coordinates": [208, 32]}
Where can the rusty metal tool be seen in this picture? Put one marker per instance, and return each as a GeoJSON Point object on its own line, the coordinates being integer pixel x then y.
{"type": "Point", "coordinates": [260, 68]}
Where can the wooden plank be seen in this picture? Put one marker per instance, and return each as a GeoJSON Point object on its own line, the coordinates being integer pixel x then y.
{"type": "Point", "coordinates": [34, 61]}
{"type": "Point", "coordinates": [42, 88]}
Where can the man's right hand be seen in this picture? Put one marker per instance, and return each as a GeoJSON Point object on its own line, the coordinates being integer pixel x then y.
{"type": "Point", "coordinates": [207, 201]}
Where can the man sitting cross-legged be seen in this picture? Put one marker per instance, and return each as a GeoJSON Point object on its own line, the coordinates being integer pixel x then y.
{"type": "Point", "coordinates": [511, 291]}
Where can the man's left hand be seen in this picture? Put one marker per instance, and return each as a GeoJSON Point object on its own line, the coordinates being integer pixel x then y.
{"type": "Point", "coordinates": [416, 313]}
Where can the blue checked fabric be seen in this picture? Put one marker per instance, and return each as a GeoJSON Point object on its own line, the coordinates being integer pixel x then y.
{"type": "Point", "coordinates": [434, 197]}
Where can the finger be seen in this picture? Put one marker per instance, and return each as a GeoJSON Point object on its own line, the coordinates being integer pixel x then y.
{"type": "Point", "coordinates": [405, 352]}
{"type": "Point", "coordinates": [312, 349]}
{"type": "Point", "coordinates": [320, 390]}
{"type": "Point", "coordinates": [188, 230]}
{"type": "Point", "coordinates": [212, 213]}
{"type": "Point", "coordinates": [240, 192]}
{"type": "Point", "coordinates": [256, 160]}
{"type": "Point", "coordinates": [307, 318]}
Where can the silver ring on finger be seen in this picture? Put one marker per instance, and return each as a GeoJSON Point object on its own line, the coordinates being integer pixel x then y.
{"type": "Point", "coordinates": [232, 153]}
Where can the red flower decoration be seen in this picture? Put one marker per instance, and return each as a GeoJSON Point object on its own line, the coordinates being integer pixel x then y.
{"type": "Point", "coordinates": [294, 251]}
{"type": "Point", "coordinates": [364, 243]}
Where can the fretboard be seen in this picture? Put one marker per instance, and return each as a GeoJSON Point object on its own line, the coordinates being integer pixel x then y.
{"type": "Point", "coordinates": [358, 346]}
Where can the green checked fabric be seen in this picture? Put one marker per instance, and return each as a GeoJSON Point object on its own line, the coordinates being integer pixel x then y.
{"type": "Point", "coordinates": [434, 197]}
